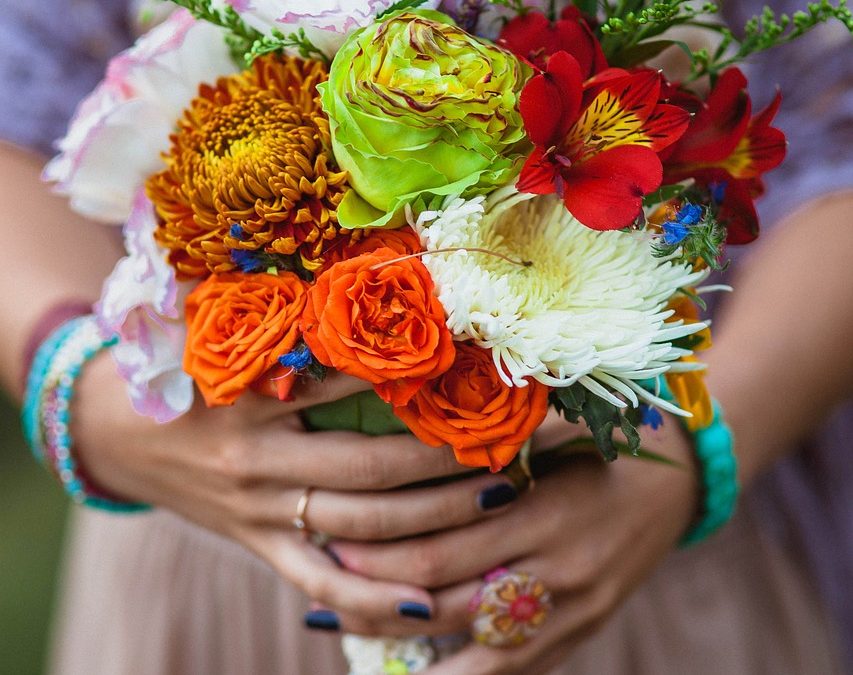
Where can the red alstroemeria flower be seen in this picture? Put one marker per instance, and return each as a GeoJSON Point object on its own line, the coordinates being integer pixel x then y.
{"type": "Point", "coordinates": [534, 38]}
{"type": "Point", "coordinates": [596, 146]}
{"type": "Point", "coordinates": [728, 150]}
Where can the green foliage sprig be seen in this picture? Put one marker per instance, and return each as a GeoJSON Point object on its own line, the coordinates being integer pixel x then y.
{"type": "Point", "coordinates": [240, 37]}
{"type": "Point", "coordinates": [629, 26]}
{"type": "Point", "coordinates": [278, 42]}
{"type": "Point", "coordinates": [765, 31]}
{"type": "Point", "coordinates": [245, 42]}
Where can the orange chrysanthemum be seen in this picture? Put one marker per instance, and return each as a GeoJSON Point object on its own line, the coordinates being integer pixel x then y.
{"type": "Point", "coordinates": [250, 152]}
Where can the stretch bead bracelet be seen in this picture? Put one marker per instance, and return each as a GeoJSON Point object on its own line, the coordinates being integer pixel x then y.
{"type": "Point", "coordinates": [46, 413]}
{"type": "Point", "coordinates": [714, 447]}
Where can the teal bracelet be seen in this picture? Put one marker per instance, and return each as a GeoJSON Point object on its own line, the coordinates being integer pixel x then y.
{"type": "Point", "coordinates": [714, 447]}
{"type": "Point", "coordinates": [46, 411]}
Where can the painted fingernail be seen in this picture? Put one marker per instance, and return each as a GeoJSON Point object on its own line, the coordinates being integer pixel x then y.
{"type": "Point", "coordinates": [496, 496]}
{"type": "Point", "coordinates": [414, 610]}
{"type": "Point", "coordinates": [322, 619]}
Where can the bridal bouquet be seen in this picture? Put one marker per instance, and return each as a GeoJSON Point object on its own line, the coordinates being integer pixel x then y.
{"type": "Point", "coordinates": [483, 209]}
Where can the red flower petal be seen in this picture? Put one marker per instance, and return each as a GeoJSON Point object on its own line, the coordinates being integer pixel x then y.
{"type": "Point", "coordinates": [737, 212]}
{"type": "Point", "coordinates": [716, 130]}
{"type": "Point", "coordinates": [538, 175]}
{"type": "Point", "coordinates": [534, 38]}
{"type": "Point", "coordinates": [666, 125]}
{"type": "Point", "coordinates": [767, 145]}
{"type": "Point", "coordinates": [550, 102]}
{"type": "Point", "coordinates": [606, 191]}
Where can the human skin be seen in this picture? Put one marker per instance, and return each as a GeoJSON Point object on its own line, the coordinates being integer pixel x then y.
{"type": "Point", "coordinates": [780, 361]}
{"type": "Point", "coordinates": [240, 471]}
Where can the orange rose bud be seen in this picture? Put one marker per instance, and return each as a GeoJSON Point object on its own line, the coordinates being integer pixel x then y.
{"type": "Point", "coordinates": [238, 326]}
{"type": "Point", "coordinates": [380, 324]}
{"type": "Point", "coordinates": [470, 408]}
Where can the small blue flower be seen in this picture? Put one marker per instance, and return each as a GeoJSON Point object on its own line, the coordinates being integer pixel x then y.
{"type": "Point", "coordinates": [690, 214]}
{"type": "Point", "coordinates": [297, 359]}
{"type": "Point", "coordinates": [650, 416]}
{"type": "Point", "coordinates": [676, 231]}
{"type": "Point", "coordinates": [247, 261]}
{"type": "Point", "coordinates": [237, 231]}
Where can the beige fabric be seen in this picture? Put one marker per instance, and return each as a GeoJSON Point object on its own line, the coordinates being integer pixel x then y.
{"type": "Point", "coordinates": [152, 595]}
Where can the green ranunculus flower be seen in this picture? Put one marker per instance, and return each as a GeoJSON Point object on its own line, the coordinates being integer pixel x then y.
{"type": "Point", "coordinates": [420, 109]}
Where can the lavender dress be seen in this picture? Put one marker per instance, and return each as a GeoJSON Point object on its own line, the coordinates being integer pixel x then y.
{"type": "Point", "coordinates": [153, 595]}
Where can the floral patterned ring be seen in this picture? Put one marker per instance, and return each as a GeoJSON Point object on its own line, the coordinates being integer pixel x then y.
{"type": "Point", "coordinates": [509, 608]}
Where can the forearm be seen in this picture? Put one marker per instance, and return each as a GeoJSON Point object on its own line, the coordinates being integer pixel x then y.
{"type": "Point", "coordinates": [55, 256]}
{"type": "Point", "coordinates": [781, 357]}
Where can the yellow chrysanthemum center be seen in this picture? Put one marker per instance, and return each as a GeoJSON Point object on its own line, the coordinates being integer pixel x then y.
{"type": "Point", "coordinates": [249, 168]}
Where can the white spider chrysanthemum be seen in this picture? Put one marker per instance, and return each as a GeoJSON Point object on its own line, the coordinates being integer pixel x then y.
{"type": "Point", "coordinates": [591, 308]}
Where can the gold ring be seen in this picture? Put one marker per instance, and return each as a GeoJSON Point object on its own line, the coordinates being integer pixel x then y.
{"type": "Point", "coordinates": [299, 521]}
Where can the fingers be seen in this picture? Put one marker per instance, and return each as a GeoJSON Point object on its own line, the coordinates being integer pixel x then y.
{"type": "Point", "coordinates": [572, 619]}
{"type": "Point", "coordinates": [339, 460]}
{"type": "Point", "coordinates": [306, 393]}
{"type": "Point", "coordinates": [449, 557]}
{"type": "Point", "coordinates": [448, 616]}
{"type": "Point", "coordinates": [316, 574]}
{"type": "Point", "coordinates": [377, 516]}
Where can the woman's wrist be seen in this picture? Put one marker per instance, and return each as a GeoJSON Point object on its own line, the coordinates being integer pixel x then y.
{"type": "Point", "coordinates": [50, 389]}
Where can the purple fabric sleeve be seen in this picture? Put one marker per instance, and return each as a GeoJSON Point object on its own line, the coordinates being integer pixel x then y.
{"type": "Point", "coordinates": [52, 53]}
{"type": "Point", "coordinates": [807, 499]}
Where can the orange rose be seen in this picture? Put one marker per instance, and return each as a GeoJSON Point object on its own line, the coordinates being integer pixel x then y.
{"type": "Point", "coordinates": [471, 409]}
{"type": "Point", "coordinates": [382, 325]}
{"type": "Point", "coordinates": [403, 240]}
{"type": "Point", "coordinates": [238, 325]}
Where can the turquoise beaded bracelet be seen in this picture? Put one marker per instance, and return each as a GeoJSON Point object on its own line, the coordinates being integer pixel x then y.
{"type": "Point", "coordinates": [46, 416]}
{"type": "Point", "coordinates": [714, 447]}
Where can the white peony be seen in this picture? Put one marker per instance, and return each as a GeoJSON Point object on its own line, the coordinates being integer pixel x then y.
{"type": "Point", "coordinates": [140, 302]}
{"type": "Point", "coordinates": [326, 22]}
{"type": "Point", "coordinates": [590, 308]}
{"type": "Point", "coordinates": [119, 131]}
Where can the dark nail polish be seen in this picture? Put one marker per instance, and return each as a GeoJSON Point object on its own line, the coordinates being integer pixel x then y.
{"type": "Point", "coordinates": [322, 619]}
{"type": "Point", "coordinates": [496, 496]}
{"type": "Point", "coordinates": [414, 610]}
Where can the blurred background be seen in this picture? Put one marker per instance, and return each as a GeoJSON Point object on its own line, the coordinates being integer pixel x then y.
{"type": "Point", "coordinates": [32, 520]}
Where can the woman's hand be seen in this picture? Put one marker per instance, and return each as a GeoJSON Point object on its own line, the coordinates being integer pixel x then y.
{"type": "Point", "coordinates": [241, 471]}
{"type": "Point", "coordinates": [592, 532]}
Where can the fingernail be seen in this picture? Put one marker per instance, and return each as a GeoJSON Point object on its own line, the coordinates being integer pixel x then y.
{"type": "Point", "coordinates": [496, 496]}
{"type": "Point", "coordinates": [414, 610]}
{"type": "Point", "coordinates": [322, 619]}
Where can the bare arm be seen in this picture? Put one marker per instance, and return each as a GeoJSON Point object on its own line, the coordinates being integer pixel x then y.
{"type": "Point", "coordinates": [52, 255]}
{"type": "Point", "coordinates": [782, 354]}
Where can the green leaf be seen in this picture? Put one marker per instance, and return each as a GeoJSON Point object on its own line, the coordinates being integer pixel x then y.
{"type": "Point", "coordinates": [631, 434]}
{"type": "Point", "coordinates": [570, 399]}
{"type": "Point", "coordinates": [602, 417]}
{"type": "Point", "coordinates": [666, 193]}
{"type": "Point", "coordinates": [364, 412]}
{"type": "Point", "coordinates": [399, 6]}
{"type": "Point", "coordinates": [643, 51]}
